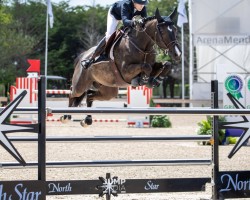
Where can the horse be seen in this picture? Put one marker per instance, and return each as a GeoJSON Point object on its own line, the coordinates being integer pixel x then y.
{"type": "Point", "coordinates": [132, 60]}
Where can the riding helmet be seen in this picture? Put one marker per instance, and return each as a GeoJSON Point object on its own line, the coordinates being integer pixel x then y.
{"type": "Point", "coordinates": [142, 2]}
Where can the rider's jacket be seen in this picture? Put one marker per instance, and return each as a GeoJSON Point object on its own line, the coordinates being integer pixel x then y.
{"type": "Point", "coordinates": [124, 10]}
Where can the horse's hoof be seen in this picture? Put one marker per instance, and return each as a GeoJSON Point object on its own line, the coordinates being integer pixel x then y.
{"type": "Point", "coordinates": [83, 124]}
{"type": "Point", "coordinates": [88, 120]}
{"type": "Point", "coordinates": [156, 83]}
{"type": "Point", "coordinates": [150, 83]}
{"type": "Point", "coordinates": [64, 119]}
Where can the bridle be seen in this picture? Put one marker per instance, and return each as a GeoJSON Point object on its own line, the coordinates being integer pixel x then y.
{"type": "Point", "coordinates": [173, 41]}
{"type": "Point", "coordinates": [145, 53]}
{"type": "Point", "coordinates": [154, 40]}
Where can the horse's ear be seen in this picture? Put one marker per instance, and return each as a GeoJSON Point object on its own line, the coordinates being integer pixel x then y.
{"type": "Point", "coordinates": [158, 15]}
{"type": "Point", "coordinates": [173, 14]}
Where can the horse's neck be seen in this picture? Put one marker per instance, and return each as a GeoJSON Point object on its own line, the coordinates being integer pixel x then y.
{"type": "Point", "coordinates": [150, 29]}
{"type": "Point", "coordinates": [145, 39]}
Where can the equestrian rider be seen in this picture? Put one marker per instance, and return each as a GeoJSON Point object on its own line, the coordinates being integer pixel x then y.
{"type": "Point", "coordinates": [123, 11]}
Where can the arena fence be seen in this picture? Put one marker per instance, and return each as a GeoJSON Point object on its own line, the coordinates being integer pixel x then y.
{"type": "Point", "coordinates": [226, 184]}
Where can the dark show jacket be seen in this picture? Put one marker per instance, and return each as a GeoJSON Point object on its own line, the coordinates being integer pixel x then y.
{"type": "Point", "coordinates": [124, 10]}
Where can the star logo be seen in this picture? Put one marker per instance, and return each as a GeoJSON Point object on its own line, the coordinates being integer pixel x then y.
{"type": "Point", "coordinates": [109, 186]}
{"type": "Point", "coordinates": [244, 125]}
{"type": "Point", "coordinates": [10, 128]}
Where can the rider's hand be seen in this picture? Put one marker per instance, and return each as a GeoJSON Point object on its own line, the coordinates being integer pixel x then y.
{"type": "Point", "coordinates": [137, 22]}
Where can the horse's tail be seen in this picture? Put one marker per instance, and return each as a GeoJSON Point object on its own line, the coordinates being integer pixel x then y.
{"type": "Point", "coordinates": [76, 101]}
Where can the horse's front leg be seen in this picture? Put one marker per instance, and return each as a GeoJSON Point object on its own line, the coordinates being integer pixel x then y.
{"type": "Point", "coordinates": [145, 73]}
{"type": "Point", "coordinates": [138, 74]}
{"type": "Point", "coordinates": [159, 75]}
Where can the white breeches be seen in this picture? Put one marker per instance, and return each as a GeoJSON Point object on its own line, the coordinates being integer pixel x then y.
{"type": "Point", "coordinates": [112, 23]}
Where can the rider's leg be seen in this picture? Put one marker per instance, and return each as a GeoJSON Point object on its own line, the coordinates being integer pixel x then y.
{"type": "Point", "coordinates": [98, 50]}
{"type": "Point", "coordinates": [112, 23]}
{"type": "Point", "coordinates": [111, 27]}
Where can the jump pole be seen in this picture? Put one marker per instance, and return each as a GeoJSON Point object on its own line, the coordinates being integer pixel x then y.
{"type": "Point", "coordinates": [42, 129]}
{"type": "Point", "coordinates": [215, 143]}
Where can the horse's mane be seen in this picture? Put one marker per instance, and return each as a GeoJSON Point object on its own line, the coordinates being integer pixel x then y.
{"type": "Point", "coordinates": [147, 19]}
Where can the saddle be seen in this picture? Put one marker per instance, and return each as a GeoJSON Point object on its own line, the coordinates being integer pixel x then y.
{"type": "Point", "coordinates": [107, 56]}
{"type": "Point", "coordinates": [104, 49]}
{"type": "Point", "coordinates": [114, 38]}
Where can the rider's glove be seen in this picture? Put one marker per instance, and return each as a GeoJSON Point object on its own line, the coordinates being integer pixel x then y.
{"type": "Point", "coordinates": [137, 22]}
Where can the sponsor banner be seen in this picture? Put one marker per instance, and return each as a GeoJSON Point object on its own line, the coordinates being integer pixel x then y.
{"type": "Point", "coordinates": [24, 190]}
{"type": "Point", "coordinates": [166, 185]}
{"type": "Point", "coordinates": [234, 184]}
{"type": "Point", "coordinates": [114, 186]}
{"type": "Point", "coordinates": [221, 40]}
{"type": "Point", "coordinates": [248, 92]}
{"type": "Point", "coordinates": [72, 187]}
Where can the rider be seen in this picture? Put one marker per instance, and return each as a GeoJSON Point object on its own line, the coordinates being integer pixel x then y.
{"type": "Point", "coordinates": [123, 11]}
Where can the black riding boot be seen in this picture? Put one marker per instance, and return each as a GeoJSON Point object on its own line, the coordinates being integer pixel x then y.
{"type": "Point", "coordinates": [98, 51]}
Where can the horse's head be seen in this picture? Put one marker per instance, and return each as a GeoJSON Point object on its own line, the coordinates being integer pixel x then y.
{"type": "Point", "coordinates": [166, 34]}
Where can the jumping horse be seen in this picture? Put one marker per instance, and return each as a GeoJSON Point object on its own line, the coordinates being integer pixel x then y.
{"type": "Point", "coordinates": [132, 60]}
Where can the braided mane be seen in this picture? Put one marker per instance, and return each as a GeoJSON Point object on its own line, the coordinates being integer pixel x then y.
{"type": "Point", "coordinates": [148, 19]}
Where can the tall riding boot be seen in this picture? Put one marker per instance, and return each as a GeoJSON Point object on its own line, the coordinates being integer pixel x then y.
{"type": "Point", "coordinates": [97, 52]}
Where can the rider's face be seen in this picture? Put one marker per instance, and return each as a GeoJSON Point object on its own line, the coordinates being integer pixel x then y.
{"type": "Point", "coordinates": [138, 7]}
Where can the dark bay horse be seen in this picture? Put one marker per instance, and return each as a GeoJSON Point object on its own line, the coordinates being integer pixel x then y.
{"type": "Point", "coordinates": [133, 59]}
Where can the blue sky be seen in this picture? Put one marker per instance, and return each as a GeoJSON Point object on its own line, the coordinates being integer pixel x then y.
{"type": "Point", "coordinates": [87, 2]}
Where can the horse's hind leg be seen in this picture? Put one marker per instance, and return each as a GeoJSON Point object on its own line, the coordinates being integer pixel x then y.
{"type": "Point", "coordinates": [88, 119]}
{"type": "Point", "coordinates": [103, 93]}
{"type": "Point", "coordinates": [75, 101]}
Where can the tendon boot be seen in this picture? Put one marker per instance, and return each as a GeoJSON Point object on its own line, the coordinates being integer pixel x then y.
{"type": "Point", "coordinates": [135, 82]}
{"type": "Point", "coordinates": [143, 79]}
{"type": "Point", "coordinates": [157, 81]}
{"type": "Point", "coordinates": [97, 52]}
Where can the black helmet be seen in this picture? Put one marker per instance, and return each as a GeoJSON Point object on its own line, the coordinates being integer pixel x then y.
{"type": "Point", "coordinates": [142, 2]}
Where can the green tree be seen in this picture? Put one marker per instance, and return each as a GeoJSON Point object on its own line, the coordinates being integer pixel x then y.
{"type": "Point", "coordinates": [76, 29]}
{"type": "Point", "coordinates": [14, 45]}
{"type": "Point", "coordinates": [165, 6]}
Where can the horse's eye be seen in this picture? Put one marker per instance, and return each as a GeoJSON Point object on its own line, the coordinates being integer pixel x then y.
{"type": "Point", "coordinates": [170, 29]}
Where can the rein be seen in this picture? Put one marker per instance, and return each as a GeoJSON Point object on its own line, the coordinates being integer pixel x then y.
{"type": "Point", "coordinates": [166, 45]}
{"type": "Point", "coordinates": [145, 53]}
